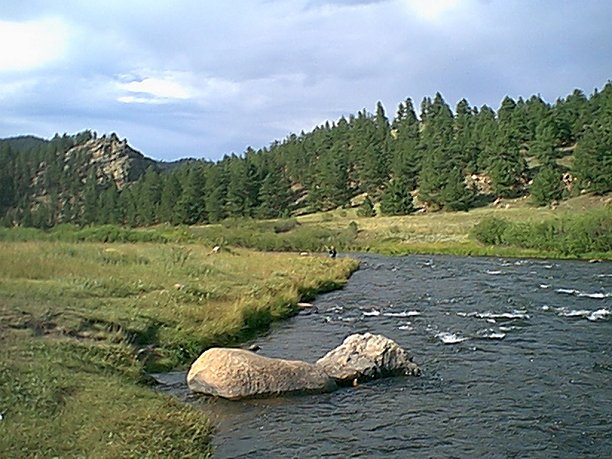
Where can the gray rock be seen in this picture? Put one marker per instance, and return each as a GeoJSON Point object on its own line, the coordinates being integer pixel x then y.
{"type": "Point", "coordinates": [367, 356]}
{"type": "Point", "coordinates": [238, 373]}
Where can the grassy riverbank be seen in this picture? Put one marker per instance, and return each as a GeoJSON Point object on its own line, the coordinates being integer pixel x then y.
{"type": "Point", "coordinates": [452, 233]}
{"type": "Point", "coordinates": [580, 227]}
{"type": "Point", "coordinates": [82, 323]}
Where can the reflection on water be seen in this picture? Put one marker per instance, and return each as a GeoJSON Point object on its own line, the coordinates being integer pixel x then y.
{"type": "Point", "coordinates": [516, 360]}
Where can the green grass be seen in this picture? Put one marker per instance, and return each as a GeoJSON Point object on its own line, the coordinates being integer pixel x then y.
{"type": "Point", "coordinates": [435, 232]}
{"type": "Point", "coordinates": [81, 324]}
{"type": "Point", "coordinates": [582, 234]}
{"type": "Point", "coordinates": [449, 232]}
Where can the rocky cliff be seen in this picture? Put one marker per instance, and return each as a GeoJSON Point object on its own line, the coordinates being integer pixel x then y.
{"type": "Point", "coordinates": [112, 159]}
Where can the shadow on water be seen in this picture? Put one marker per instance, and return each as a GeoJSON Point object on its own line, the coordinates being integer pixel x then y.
{"type": "Point", "coordinates": [516, 359]}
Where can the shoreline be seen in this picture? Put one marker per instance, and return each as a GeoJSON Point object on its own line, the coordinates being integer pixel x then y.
{"type": "Point", "coordinates": [82, 325]}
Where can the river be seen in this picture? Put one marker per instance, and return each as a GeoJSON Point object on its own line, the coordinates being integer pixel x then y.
{"type": "Point", "coordinates": [516, 358]}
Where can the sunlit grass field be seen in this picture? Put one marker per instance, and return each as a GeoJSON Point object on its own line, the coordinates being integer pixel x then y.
{"type": "Point", "coordinates": [449, 232]}
{"type": "Point", "coordinates": [81, 324]}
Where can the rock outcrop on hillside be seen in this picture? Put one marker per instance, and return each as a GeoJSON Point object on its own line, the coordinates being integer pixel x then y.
{"type": "Point", "coordinates": [113, 160]}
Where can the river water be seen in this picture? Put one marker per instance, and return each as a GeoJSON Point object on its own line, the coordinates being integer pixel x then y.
{"type": "Point", "coordinates": [516, 358]}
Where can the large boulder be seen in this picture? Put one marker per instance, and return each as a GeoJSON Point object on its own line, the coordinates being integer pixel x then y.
{"type": "Point", "coordinates": [367, 356]}
{"type": "Point", "coordinates": [238, 373]}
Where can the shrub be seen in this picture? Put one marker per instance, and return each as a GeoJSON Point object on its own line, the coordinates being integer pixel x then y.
{"type": "Point", "coordinates": [366, 209]}
{"type": "Point", "coordinates": [589, 232]}
{"type": "Point", "coordinates": [283, 226]}
{"type": "Point", "coordinates": [490, 230]}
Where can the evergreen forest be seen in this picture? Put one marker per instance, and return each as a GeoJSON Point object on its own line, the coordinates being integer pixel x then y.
{"type": "Point", "coordinates": [428, 158]}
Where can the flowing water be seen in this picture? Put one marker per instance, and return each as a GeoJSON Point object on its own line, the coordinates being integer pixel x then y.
{"type": "Point", "coordinates": [516, 358]}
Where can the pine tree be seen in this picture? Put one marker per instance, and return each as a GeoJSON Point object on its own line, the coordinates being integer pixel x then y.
{"type": "Point", "coordinates": [547, 185]}
{"type": "Point", "coordinates": [440, 152]}
{"type": "Point", "coordinates": [536, 111]}
{"type": "Point", "coordinates": [382, 137]}
{"type": "Point", "coordinates": [191, 207]}
{"type": "Point", "coordinates": [543, 146]}
{"type": "Point", "coordinates": [334, 178]}
{"type": "Point", "coordinates": [570, 116]}
{"type": "Point", "coordinates": [128, 202]}
{"type": "Point", "coordinates": [371, 149]}
{"type": "Point", "coordinates": [506, 171]}
{"type": "Point", "coordinates": [237, 188]}
{"type": "Point", "coordinates": [275, 196]}
{"type": "Point", "coordinates": [506, 164]}
{"type": "Point", "coordinates": [150, 197]}
{"type": "Point", "coordinates": [433, 178]}
{"type": "Point", "coordinates": [593, 157]}
{"type": "Point", "coordinates": [505, 113]}
{"type": "Point", "coordinates": [90, 200]}
{"type": "Point", "coordinates": [405, 149]}
{"type": "Point", "coordinates": [170, 196]}
{"type": "Point", "coordinates": [485, 137]}
{"type": "Point", "coordinates": [366, 209]}
{"type": "Point", "coordinates": [455, 194]}
{"type": "Point", "coordinates": [396, 199]}
{"type": "Point", "coordinates": [464, 138]}
{"type": "Point", "coordinates": [7, 186]}
{"type": "Point", "coordinates": [216, 191]}
{"type": "Point", "coordinates": [255, 174]}
{"type": "Point", "coordinates": [108, 205]}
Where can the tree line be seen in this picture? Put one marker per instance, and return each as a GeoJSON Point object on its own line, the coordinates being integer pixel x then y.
{"type": "Point", "coordinates": [440, 158]}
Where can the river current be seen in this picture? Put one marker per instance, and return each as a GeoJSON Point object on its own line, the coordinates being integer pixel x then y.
{"type": "Point", "coordinates": [516, 358]}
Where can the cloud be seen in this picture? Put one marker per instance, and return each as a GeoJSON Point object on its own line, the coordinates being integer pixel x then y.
{"type": "Point", "coordinates": [31, 44]}
{"type": "Point", "coordinates": [154, 90]}
{"type": "Point", "coordinates": [193, 78]}
{"type": "Point", "coordinates": [431, 9]}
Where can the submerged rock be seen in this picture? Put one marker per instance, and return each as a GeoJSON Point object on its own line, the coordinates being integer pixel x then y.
{"type": "Point", "coordinates": [238, 373]}
{"type": "Point", "coordinates": [367, 356]}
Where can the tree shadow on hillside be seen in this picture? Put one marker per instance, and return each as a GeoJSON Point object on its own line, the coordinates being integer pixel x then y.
{"type": "Point", "coordinates": [483, 200]}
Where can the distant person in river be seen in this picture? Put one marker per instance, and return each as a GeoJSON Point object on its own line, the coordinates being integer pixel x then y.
{"type": "Point", "coordinates": [332, 252]}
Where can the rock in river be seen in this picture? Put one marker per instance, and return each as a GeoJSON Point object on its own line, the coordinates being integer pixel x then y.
{"type": "Point", "coordinates": [238, 373]}
{"type": "Point", "coordinates": [367, 356]}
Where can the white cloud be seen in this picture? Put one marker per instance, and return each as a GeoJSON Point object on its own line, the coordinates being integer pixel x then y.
{"type": "Point", "coordinates": [172, 86]}
{"type": "Point", "coordinates": [155, 89]}
{"type": "Point", "coordinates": [31, 44]}
{"type": "Point", "coordinates": [223, 75]}
{"type": "Point", "coordinates": [431, 10]}
{"type": "Point", "coordinates": [140, 100]}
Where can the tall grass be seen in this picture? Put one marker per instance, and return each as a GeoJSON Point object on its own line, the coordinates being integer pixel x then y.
{"type": "Point", "coordinates": [81, 325]}
{"type": "Point", "coordinates": [589, 233]}
{"type": "Point", "coordinates": [440, 232]}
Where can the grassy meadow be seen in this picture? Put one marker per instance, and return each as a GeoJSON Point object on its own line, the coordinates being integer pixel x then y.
{"type": "Point", "coordinates": [452, 232]}
{"type": "Point", "coordinates": [81, 324]}
{"type": "Point", "coordinates": [573, 223]}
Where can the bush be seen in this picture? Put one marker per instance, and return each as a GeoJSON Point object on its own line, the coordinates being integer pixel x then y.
{"type": "Point", "coordinates": [490, 230]}
{"type": "Point", "coordinates": [366, 209]}
{"type": "Point", "coordinates": [283, 226]}
{"type": "Point", "coordinates": [589, 232]}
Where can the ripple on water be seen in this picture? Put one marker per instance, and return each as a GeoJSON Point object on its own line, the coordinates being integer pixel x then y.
{"type": "Point", "coordinates": [527, 381]}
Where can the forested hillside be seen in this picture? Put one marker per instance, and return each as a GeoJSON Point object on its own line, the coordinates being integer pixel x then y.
{"type": "Point", "coordinates": [439, 158]}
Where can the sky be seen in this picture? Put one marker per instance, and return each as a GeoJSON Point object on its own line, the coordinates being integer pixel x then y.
{"type": "Point", "coordinates": [205, 78]}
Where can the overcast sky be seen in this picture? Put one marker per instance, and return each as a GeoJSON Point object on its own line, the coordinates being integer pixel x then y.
{"type": "Point", "coordinates": [204, 78]}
